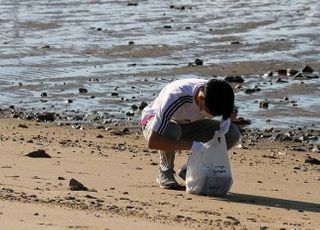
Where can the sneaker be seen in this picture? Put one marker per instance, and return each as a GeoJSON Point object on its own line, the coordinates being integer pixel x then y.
{"type": "Point", "coordinates": [182, 172]}
{"type": "Point", "coordinates": [166, 180]}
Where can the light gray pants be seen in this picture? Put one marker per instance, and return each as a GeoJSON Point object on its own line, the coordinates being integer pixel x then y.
{"type": "Point", "coordinates": [201, 131]}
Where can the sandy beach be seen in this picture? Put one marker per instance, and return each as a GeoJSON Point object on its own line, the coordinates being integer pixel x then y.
{"type": "Point", "coordinates": [75, 73]}
{"type": "Point", "coordinates": [273, 186]}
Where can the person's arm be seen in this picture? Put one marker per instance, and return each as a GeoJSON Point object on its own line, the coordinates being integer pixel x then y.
{"type": "Point", "coordinates": [157, 141]}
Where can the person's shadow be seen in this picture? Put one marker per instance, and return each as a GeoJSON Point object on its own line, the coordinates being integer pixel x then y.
{"type": "Point", "coordinates": [271, 202]}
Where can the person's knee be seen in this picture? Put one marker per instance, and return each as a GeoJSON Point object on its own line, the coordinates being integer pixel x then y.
{"type": "Point", "coordinates": [233, 136]}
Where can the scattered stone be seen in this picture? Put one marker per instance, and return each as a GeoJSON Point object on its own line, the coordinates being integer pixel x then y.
{"type": "Point", "coordinates": [167, 27]}
{"type": "Point", "coordinates": [298, 76]}
{"type": "Point", "coordinates": [292, 72]}
{"type": "Point", "coordinates": [114, 94]}
{"type": "Point", "coordinates": [235, 42]}
{"type": "Point", "coordinates": [69, 101]}
{"type": "Point", "coordinates": [45, 47]}
{"type": "Point", "coordinates": [142, 105]}
{"type": "Point", "coordinates": [253, 90]}
{"type": "Point", "coordinates": [45, 117]}
{"type": "Point", "coordinates": [312, 160]}
{"type": "Point", "coordinates": [75, 185]}
{"type": "Point", "coordinates": [132, 4]}
{"type": "Point", "coordinates": [268, 74]}
{"type": "Point", "coordinates": [307, 69]}
{"type": "Point", "coordinates": [22, 126]}
{"type": "Point", "coordinates": [130, 114]}
{"type": "Point", "coordinates": [198, 61]}
{"type": "Point", "coordinates": [61, 178]}
{"type": "Point", "coordinates": [44, 94]}
{"type": "Point", "coordinates": [99, 136]}
{"type": "Point", "coordinates": [83, 90]}
{"type": "Point", "coordinates": [134, 107]}
{"type": "Point", "coordinates": [282, 72]}
{"type": "Point", "coordinates": [131, 43]}
{"type": "Point", "coordinates": [237, 79]}
{"type": "Point", "coordinates": [264, 104]}
{"type": "Point", "coordinates": [38, 154]}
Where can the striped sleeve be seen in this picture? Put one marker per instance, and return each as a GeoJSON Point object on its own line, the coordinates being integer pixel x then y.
{"type": "Point", "coordinates": [168, 108]}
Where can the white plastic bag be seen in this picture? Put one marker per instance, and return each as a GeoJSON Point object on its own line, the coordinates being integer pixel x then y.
{"type": "Point", "coordinates": [208, 169]}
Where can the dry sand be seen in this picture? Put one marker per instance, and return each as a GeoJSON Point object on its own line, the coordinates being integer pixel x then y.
{"type": "Point", "coordinates": [273, 187]}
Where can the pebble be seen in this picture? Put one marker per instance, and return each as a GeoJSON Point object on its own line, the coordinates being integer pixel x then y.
{"type": "Point", "coordinates": [237, 79]}
{"type": "Point", "coordinates": [292, 72]}
{"type": "Point", "coordinates": [235, 42]}
{"type": "Point", "coordinates": [131, 43]}
{"type": "Point", "coordinates": [114, 94]}
{"type": "Point", "coordinates": [307, 69]}
{"type": "Point", "coordinates": [38, 154]}
{"type": "Point", "coordinates": [298, 76]}
{"type": "Point", "coordinates": [44, 94]}
{"type": "Point", "coordinates": [75, 185]}
{"type": "Point", "coordinates": [83, 90]}
{"type": "Point", "coordinates": [282, 72]}
{"type": "Point", "coordinates": [22, 126]}
{"type": "Point", "coordinates": [198, 61]}
{"type": "Point", "coordinates": [268, 74]}
{"type": "Point", "coordinates": [312, 160]}
{"type": "Point", "coordinates": [142, 105]}
{"type": "Point", "coordinates": [69, 101]}
{"type": "Point", "coordinates": [264, 104]}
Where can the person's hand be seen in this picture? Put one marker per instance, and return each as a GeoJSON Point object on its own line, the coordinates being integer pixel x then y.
{"type": "Point", "coordinates": [196, 146]}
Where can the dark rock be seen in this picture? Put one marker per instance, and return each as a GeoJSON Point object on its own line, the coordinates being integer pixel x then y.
{"type": "Point", "coordinates": [114, 94]}
{"type": "Point", "coordinates": [307, 69]}
{"type": "Point", "coordinates": [45, 117]}
{"type": "Point", "coordinates": [311, 160]}
{"type": "Point", "coordinates": [83, 90]}
{"type": "Point", "coordinates": [249, 91]}
{"type": "Point", "coordinates": [167, 27]}
{"type": "Point", "coordinates": [69, 101]}
{"type": "Point", "coordinates": [198, 61]}
{"type": "Point", "coordinates": [132, 4]}
{"type": "Point", "coordinates": [130, 114]}
{"type": "Point", "coordinates": [237, 79]}
{"type": "Point", "coordinates": [44, 94]}
{"type": "Point", "coordinates": [298, 76]}
{"type": "Point", "coordinates": [134, 107]}
{"type": "Point", "coordinates": [188, 27]}
{"type": "Point", "coordinates": [45, 47]}
{"type": "Point", "coordinates": [292, 72]}
{"type": "Point", "coordinates": [23, 126]}
{"type": "Point", "coordinates": [235, 42]}
{"type": "Point", "coordinates": [264, 104]}
{"type": "Point", "coordinates": [75, 185]}
{"type": "Point", "coordinates": [61, 178]}
{"type": "Point", "coordinates": [99, 136]}
{"type": "Point", "coordinates": [131, 43]}
{"type": "Point", "coordinates": [142, 105]}
{"type": "Point", "coordinates": [282, 72]}
{"type": "Point", "coordinates": [11, 107]}
{"type": "Point", "coordinates": [38, 154]}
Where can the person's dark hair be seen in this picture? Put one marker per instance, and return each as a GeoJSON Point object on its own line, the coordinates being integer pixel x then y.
{"type": "Point", "coordinates": [219, 98]}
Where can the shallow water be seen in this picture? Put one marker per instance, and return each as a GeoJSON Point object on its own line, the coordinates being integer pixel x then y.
{"type": "Point", "coordinates": [58, 46]}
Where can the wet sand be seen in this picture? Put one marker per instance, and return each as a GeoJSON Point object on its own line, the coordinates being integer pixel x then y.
{"type": "Point", "coordinates": [273, 186]}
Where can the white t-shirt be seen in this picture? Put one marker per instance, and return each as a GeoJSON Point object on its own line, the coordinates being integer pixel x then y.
{"type": "Point", "coordinates": [176, 101]}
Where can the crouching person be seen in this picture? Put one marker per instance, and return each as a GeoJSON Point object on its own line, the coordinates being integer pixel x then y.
{"type": "Point", "coordinates": [181, 116]}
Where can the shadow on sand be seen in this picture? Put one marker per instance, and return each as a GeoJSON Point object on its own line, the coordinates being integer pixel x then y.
{"type": "Point", "coordinates": [271, 202]}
